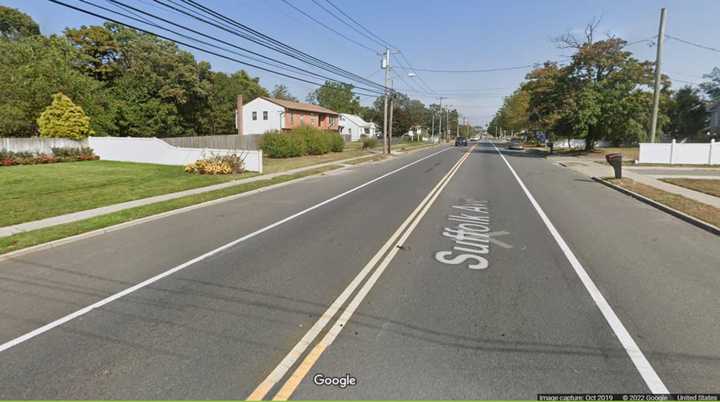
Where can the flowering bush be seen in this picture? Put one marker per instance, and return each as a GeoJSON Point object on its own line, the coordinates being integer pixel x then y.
{"type": "Point", "coordinates": [219, 164]}
{"type": "Point", "coordinates": [9, 158]}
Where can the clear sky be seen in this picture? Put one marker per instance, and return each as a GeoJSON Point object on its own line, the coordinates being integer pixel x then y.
{"type": "Point", "coordinates": [445, 35]}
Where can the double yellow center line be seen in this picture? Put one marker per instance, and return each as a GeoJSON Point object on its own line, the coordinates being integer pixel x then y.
{"type": "Point", "coordinates": [377, 265]}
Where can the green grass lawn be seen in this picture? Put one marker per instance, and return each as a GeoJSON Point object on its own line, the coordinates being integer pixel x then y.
{"type": "Point", "coordinates": [32, 192]}
{"type": "Point", "coordinates": [39, 236]}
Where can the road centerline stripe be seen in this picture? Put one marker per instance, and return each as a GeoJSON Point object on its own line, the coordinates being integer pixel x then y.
{"type": "Point", "coordinates": [69, 317]}
{"type": "Point", "coordinates": [647, 372]}
{"type": "Point", "coordinates": [393, 243]}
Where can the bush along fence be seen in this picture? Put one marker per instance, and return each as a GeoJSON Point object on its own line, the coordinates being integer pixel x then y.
{"type": "Point", "coordinates": [301, 141]}
{"type": "Point", "coordinates": [127, 149]}
{"type": "Point", "coordinates": [679, 153]}
{"type": "Point", "coordinates": [10, 158]}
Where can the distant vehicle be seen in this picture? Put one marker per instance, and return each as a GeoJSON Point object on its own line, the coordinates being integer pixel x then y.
{"type": "Point", "coordinates": [460, 142]}
{"type": "Point", "coordinates": [516, 143]}
{"type": "Point", "coordinates": [475, 138]}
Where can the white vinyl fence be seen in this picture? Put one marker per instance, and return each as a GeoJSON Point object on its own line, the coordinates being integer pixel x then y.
{"type": "Point", "coordinates": [43, 145]}
{"type": "Point", "coordinates": [679, 153]}
{"type": "Point", "coordinates": [577, 143]}
{"type": "Point", "coordinates": [154, 150]}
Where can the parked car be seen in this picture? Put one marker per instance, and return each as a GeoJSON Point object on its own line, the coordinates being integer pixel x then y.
{"type": "Point", "coordinates": [516, 143]}
{"type": "Point", "coordinates": [460, 142]}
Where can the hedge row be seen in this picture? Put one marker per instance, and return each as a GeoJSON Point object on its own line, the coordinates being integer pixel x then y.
{"type": "Point", "coordinates": [9, 158]}
{"type": "Point", "coordinates": [301, 141]}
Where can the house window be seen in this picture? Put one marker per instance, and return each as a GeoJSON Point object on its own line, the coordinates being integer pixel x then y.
{"type": "Point", "coordinates": [265, 115]}
{"type": "Point", "coordinates": [333, 120]}
{"type": "Point", "coordinates": [367, 130]}
{"type": "Point", "coordinates": [254, 116]}
{"type": "Point", "coordinates": [349, 130]}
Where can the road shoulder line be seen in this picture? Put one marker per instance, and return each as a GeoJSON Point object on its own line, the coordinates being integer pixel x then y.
{"type": "Point", "coordinates": [652, 380]}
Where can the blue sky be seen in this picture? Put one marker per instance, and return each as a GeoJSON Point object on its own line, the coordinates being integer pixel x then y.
{"type": "Point", "coordinates": [450, 34]}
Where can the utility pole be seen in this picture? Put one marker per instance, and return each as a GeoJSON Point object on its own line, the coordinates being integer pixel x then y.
{"type": "Point", "coordinates": [432, 130]}
{"type": "Point", "coordinates": [447, 123]}
{"type": "Point", "coordinates": [658, 60]}
{"type": "Point", "coordinates": [385, 64]}
{"type": "Point", "coordinates": [440, 118]}
{"type": "Point", "coordinates": [390, 123]}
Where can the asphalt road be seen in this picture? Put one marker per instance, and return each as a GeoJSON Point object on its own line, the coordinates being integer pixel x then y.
{"type": "Point", "coordinates": [314, 268]}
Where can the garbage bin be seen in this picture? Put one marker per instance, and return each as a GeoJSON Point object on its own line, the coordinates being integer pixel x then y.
{"type": "Point", "coordinates": [615, 160]}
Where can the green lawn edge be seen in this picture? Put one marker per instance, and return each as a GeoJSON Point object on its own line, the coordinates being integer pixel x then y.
{"type": "Point", "coordinates": [39, 236]}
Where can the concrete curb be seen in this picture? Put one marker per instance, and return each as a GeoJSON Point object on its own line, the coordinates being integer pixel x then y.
{"type": "Point", "coordinates": [672, 211]}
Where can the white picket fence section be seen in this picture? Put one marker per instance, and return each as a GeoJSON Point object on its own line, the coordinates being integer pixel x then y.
{"type": "Point", "coordinates": [680, 153]}
{"type": "Point", "coordinates": [154, 150]}
{"type": "Point", "coordinates": [43, 145]}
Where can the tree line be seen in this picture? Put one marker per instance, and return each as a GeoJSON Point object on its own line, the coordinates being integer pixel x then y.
{"type": "Point", "coordinates": [131, 83]}
{"type": "Point", "coordinates": [605, 93]}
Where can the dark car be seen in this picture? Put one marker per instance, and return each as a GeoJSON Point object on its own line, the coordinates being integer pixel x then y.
{"type": "Point", "coordinates": [460, 142]}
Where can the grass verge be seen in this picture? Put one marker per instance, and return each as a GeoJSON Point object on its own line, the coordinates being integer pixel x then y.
{"type": "Point", "coordinates": [707, 186]}
{"type": "Point", "coordinates": [39, 236]}
{"type": "Point", "coordinates": [32, 192]}
{"type": "Point", "coordinates": [696, 209]}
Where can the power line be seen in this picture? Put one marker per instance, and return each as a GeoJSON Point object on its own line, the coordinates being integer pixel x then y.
{"type": "Point", "coordinates": [382, 42]}
{"type": "Point", "coordinates": [485, 70]}
{"type": "Point", "coordinates": [269, 42]}
{"type": "Point", "coordinates": [345, 23]}
{"type": "Point", "coordinates": [277, 63]}
{"type": "Point", "coordinates": [423, 86]}
{"type": "Point", "coordinates": [183, 43]}
{"type": "Point", "coordinates": [329, 28]}
{"type": "Point", "coordinates": [687, 42]}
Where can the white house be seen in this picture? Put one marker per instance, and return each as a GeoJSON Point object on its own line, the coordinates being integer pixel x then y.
{"type": "Point", "coordinates": [354, 126]}
{"type": "Point", "coordinates": [265, 114]}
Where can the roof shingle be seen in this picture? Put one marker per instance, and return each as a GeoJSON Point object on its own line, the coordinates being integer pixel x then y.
{"type": "Point", "coordinates": [307, 107]}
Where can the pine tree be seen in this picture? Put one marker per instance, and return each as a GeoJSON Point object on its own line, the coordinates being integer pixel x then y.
{"type": "Point", "coordinates": [62, 118]}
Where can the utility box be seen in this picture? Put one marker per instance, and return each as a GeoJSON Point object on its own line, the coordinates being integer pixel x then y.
{"type": "Point", "coordinates": [615, 160]}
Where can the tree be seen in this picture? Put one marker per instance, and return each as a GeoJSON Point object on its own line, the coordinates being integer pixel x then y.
{"type": "Point", "coordinates": [712, 85]}
{"type": "Point", "coordinates": [601, 93]}
{"type": "Point", "coordinates": [219, 117]}
{"type": "Point", "coordinates": [688, 114]}
{"type": "Point", "coordinates": [34, 68]}
{"type": "Point", "coordinates": [336, 96]}
{"type": "Point", "coordinates": [281, 92]}
{"type": "Point", "coordinates": [100, 50]}
{"type": "Point", "coordinates": [64, 119]}
{"type": "Point", "coordinates": [14, 24]}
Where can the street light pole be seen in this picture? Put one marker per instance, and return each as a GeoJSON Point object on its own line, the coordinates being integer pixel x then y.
{"type": "Point", "coordinates": [386, 66]}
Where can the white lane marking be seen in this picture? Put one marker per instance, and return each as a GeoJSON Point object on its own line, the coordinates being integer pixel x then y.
{"type": "Point", "coordinates": [415, 217]}
{"type": "Point", "coordinates": [641, 363]}
{"type": "Point", "coordinates": [60, 321]}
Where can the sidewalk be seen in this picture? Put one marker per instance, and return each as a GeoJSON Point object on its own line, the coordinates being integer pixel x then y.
{"type": "Point", "coordinates": [589, 167]}
{"type": "Point", "coordinates": [90, 213]}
